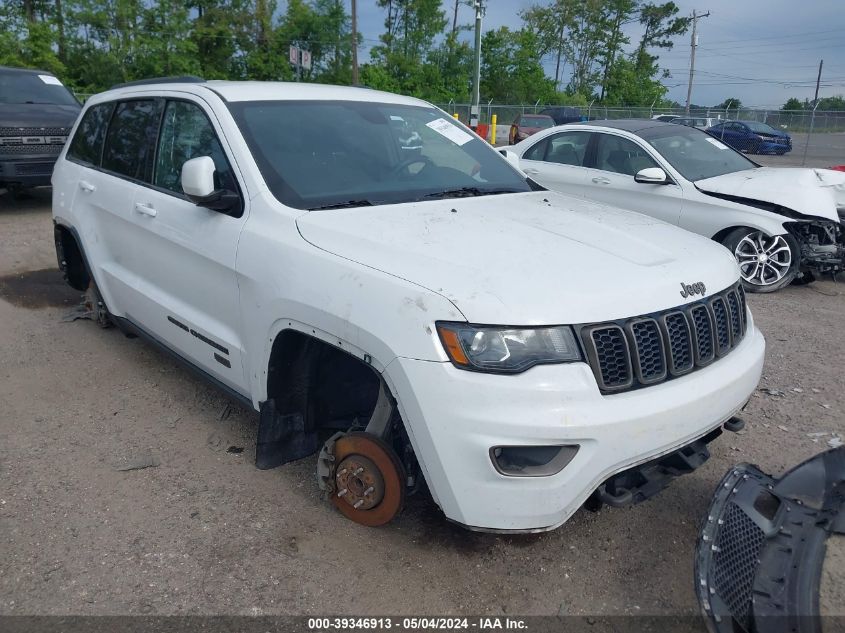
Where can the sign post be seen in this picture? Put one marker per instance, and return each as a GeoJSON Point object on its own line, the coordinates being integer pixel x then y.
{"type": "Point", "coordinates": [299, 58]}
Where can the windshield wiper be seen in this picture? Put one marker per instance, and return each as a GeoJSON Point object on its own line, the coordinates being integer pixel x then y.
{"type": "Point", "coordinates": [466, 192]}
{"type": "Point", "coordinates": [343, 205]}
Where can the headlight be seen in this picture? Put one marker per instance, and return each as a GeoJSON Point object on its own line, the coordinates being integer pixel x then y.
{"type": "Point", "coordinates": [506, 350]}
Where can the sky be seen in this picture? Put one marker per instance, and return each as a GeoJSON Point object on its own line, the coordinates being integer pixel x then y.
{"type": "Point", "coordinates": [760, 51]}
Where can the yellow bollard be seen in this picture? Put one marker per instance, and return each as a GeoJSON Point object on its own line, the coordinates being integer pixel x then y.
{"type": "Point", "coordinates": [456, 116]}
{"type": "Point", "coordinates": [493, 129]}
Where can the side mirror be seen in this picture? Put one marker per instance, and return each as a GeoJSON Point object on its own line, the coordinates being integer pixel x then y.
{"type": "Point", "coordinates": [198, 184]}
{"type": "Point", "coordinates": [511, 157]}
{"type": "Point", "coordinates": [652, 176]}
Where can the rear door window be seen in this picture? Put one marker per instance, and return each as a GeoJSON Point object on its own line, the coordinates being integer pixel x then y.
{"type": "Point", "coordinates": [87, 144]}
{"type": "Point", "coordinates": [130, 141]}
{"type": "Point", "coordinates": [566, 148]}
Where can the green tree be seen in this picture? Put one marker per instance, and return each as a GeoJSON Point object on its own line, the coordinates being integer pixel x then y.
{"type": "Point", "coordinates": [511, 68]}
{"type": "Point", "coordinates": [793, 104]}
{"type": "Point", "coordinates": [731, 103]}
{"type": "Point", "coordinates": [831, 104]}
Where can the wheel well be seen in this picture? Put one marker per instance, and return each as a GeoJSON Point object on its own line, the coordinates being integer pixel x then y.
{"type": "Point", "coordinates": [721, 235]}
{"type": "Point", "coordinates": [71, 261]}
{"type": "Point", "coordinates": [330, 388]}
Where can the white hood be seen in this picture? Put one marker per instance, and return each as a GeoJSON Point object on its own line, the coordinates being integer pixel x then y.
{"type": "Point", "coordinates": [812, 192]}
{"type": "Point", "coordinates": [527, 259]}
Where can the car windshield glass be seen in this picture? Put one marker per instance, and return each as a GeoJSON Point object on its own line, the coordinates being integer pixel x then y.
{"type": "Point", "coordinates": [695, 154]}
{"type": "Point", "coordinates": [318, 154]}
{"type": "Point", "coordinates": [18, 88]}
{"type": "Point", "coordinates": [536, 121]}
{"type": "Point", "coordinates": [761, 128]}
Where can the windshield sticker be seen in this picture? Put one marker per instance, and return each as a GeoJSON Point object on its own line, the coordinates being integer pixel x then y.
{"type": "Point", "coordinates": [718, 144]}
{"type": "Point", "coordinates": [450, 131]}
{"type": "Point", "coordinates": [49, 79]}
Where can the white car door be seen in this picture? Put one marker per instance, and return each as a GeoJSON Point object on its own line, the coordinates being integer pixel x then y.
{"type": "Point", "coordinates": [556, 161]}
{"type": "Point", "coordinates": [611, 179]}
{"type": "Point", "coordinates": [107, 181]}
{"type": "Point", "coordinates": [187, 291]}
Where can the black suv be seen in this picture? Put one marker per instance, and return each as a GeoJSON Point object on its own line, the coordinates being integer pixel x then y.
{"type": "Point", "coordinates": [563, 114]}
{"type": "Point", "coordinates": [36, 114]}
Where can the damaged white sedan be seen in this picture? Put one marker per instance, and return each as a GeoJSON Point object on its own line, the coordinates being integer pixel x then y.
{"type": "Point", "coordinates": [782, 224]}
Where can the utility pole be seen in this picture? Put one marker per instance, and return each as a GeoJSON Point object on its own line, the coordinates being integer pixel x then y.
{"type": "Point", "coordinates": [693, 44]}
{"type": "Point", "coordinates": [818, 80]}
{"type": "Point", "coordinates": [476, 81]}
{"type": "Point", "coordinates": [813, 115]}
{"type": "Point", "coordinates": [354, 42]}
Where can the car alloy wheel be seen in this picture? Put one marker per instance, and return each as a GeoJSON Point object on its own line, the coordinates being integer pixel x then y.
{"type": "Point", "coordinates": [763, 260]}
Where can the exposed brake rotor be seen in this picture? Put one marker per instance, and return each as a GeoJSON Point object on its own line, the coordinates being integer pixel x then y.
{"type": "Point", "coordinates": [367, 479]}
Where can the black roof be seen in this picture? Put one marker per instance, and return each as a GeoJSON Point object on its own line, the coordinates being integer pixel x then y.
{"type": "Point", "coordinates": [630, 125]}
{"type": "Point", "coordinates": [185, 79]}
{"type": "Point", "coordinates": [28, 71]}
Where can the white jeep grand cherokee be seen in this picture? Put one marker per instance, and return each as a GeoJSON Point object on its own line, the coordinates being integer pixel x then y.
{"type": "Point", "coordinates": [392, 295]}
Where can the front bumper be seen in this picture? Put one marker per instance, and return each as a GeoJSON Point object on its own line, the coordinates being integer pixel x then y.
{"type": "Point", "coordinates": [33, 171]}
{"type": "Point", "coordinates": [454, 417]}
{"type": "Point", "coordinates": [775, 146]}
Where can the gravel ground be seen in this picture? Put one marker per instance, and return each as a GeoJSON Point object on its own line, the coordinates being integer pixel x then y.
{"type": "Point", "coordinates": [204, 532]}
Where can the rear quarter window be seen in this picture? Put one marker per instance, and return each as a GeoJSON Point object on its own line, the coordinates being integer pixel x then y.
{"type": "Point", "coordinates": [86, 146]}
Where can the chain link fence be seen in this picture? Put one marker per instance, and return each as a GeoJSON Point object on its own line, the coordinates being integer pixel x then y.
{"type": "Point", "coordinates": [775, 137]}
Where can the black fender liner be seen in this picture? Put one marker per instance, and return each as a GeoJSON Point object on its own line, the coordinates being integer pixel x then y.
{"type": "Point", "coordinates": [282, 438]}
{"type": "Point", "coordinates": [760, 552]}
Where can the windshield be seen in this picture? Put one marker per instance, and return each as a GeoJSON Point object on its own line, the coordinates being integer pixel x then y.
{"type": "Point", "coordinates": [318, 154]}
{"type": "Point", "coordinates": [18, 88]}
{"type": "Point", "coordinates": [695, 154]}
{"type": "Point", "coordinates": [761, 128]}
{"type": "Point", "coordinates": [536, 121]}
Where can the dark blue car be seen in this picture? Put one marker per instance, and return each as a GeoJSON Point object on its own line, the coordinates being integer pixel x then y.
{"type": "Point", "coordinates": [752, 137]}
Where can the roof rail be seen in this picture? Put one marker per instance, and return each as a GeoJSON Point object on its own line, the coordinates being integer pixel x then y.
{"type": "Point", "coordinates": [185, 79]}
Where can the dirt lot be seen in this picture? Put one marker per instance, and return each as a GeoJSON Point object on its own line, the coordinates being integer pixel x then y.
{"type": "Point", "coordinates": [206, 533]}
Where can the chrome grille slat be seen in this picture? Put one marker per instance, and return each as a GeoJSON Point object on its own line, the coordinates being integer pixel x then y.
{"type": "Point", "coordinates": [650, 349]}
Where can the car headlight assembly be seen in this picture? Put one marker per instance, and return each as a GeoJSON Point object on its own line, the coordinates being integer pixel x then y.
{"type": "Point", "coordinates": [504, 350]}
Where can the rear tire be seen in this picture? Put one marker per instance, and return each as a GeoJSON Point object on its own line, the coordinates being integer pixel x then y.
{"type": "Point", "coordinates": [766, 263]}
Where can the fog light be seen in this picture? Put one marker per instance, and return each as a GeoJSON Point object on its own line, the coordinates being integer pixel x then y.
{"type": "Point", "coordinates": [532, 461]}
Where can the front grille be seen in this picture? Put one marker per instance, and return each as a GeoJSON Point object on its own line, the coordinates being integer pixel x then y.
{"type": "Point", "coordinates": [646, 350]}
{"type": "Point", "coordinates": [34, 169]}
{"type": "Point", "coordinates": [613, 360]}
{"type": "Point", "coordinates": [34, 131]}
{"type": "Point", "coordinates": [34, 149]}
{"type": "Point", "coordinates": [649, 360]}
{"type": "Point", "coordinates": [735, 561]}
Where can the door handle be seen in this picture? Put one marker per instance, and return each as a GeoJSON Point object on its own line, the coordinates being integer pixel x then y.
{"type": "Point", "coordinates": [601, 180]}
{"type": "Point", "coordinates": [531, 171]}
{"type": "Point", "coordinates": [86, 186]}
{"type": "Point", "coordinates": [145, 209]}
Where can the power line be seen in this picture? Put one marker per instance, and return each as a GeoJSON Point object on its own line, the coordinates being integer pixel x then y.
{"type": "Point", "coordinates": [777, 37]}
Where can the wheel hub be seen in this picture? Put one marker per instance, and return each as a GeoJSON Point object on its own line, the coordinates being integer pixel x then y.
{"type": "Point", "coordinates": [368, 479]}
{"type": "Point", "coordinates": [359, 482]}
